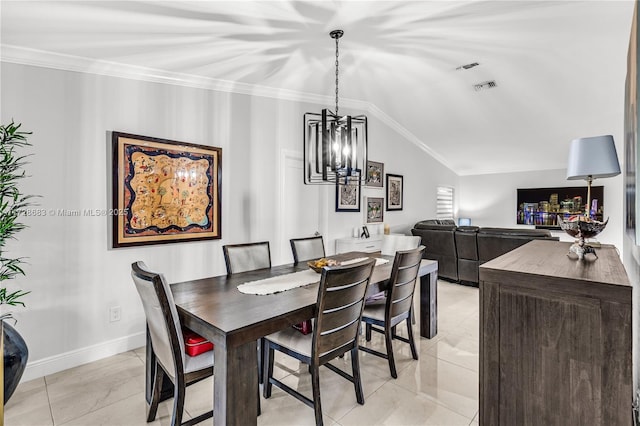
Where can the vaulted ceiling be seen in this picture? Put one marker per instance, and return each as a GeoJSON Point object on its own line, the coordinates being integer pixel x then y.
{"type": "Point", "coordinates": [559, 66]}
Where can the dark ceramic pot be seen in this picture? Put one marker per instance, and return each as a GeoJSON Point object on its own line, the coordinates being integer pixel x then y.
{"type": "Point", "coordinates": [15, 359]}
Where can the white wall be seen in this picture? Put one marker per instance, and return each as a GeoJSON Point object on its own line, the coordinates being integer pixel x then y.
{"type": "Point", "coordinates": [491, 200]}
{"type": "Point", "coordinates": [75, 277]}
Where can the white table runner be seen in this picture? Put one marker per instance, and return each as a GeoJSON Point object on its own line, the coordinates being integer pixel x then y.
{"type": "Point", "coordinates": [290, 281]}
{"type": "Point", "coordinates": [379, 261]}
{"type": "Point", "coordinates": [280, 283]}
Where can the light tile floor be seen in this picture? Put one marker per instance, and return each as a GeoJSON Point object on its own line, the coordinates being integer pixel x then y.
{"type": "Point", "coordinates": [441, 388]}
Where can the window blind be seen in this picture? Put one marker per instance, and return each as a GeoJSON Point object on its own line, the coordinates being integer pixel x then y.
{"type": "Point", "coordinates": [444, 202]}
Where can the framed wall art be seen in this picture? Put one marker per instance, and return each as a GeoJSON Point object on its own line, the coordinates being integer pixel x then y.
{"type": "Point", "coordinates": [375, 173]}
{"type": "Point", "coordinates": [631, 142]}
{"type": "Point", "coordinates": [348, 194]}
{"type": "Point", "coordinates": [375, 209]}
{"type": "Point", "coordinates": [164, 191]}
{"type": "Point", "coordinates": [394, 192]}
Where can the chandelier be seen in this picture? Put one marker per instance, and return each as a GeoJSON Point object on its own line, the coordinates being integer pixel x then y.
{"type": "Point", "coordinates": [335, 147]}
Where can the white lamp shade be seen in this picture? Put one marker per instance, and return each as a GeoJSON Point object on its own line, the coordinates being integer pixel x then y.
{"type": "Point", "coordinates": [594, 156]}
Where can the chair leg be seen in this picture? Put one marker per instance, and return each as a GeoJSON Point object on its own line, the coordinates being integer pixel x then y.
{"type": "Point", "coordinates": [268, 365]}
{"type": "Point", "coordinates": [178, 401]}
{"type": "Point", "coordinates": [412, 343]}
{"type": "Point", "coordinates": [357, 381]}
{"type": "Point", "coordinates": [388, 342]}
{"type": "Point", "coordinates": [261, 371]}
{"type": "Point", "coordinates": [260, 360]}
{"type": "Point", "coordinates": [258, 392]}
{"type": "Point", "coordinates": [152, 409]}
{"type": "Point", "coordinates": [315, 384]}
{"type": "Point", "coordinates": [367, 332]}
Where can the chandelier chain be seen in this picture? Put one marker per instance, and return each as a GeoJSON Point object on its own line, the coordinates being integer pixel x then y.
{"type": "Point", "coordinates": [337, 65]}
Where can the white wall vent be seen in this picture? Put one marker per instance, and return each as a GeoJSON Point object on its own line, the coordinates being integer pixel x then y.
{"type": "Point", "coordinates": [467, 66]}
{"type": "Point", "coordinates": [486, 85]}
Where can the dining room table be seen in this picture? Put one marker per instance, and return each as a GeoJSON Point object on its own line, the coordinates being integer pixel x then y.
{"type": "Point", "coordinates": [214, 308]}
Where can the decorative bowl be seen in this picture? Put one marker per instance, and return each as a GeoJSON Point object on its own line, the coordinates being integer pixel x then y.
{"type": "Point", "coordinates": [581, 227]}
{"type": "Point", "coordinates": [318, 264]}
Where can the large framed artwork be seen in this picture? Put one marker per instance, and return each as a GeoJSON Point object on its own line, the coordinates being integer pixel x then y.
{"type": "Point", "coordinates": [394, 192]}
{"type": "Point", "coordinates": [374, 209]}
{"type": "Point", "coordinates": [164, 191]}
{"type": "Point", "coordinates": [348, 194]}
{"type": "Point", "coordinates": [375, 174]}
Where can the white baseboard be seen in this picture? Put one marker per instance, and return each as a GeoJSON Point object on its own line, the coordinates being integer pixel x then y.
{"type": "Point", "coordinates": [56, 363]}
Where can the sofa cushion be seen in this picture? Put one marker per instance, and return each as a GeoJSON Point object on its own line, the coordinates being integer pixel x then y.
{"type": "Point", "coordinates": [471, 229]}
{"type": "Point", "coordinates": [440, 245]}
{"type": "Point", "coordinates": [468, 270]}
{"type": "Point", "coordinates": [466, 244]}
{"type": "Point", "coordinates": [516, 232]}
{"type": "Point", "coordinates": [434, 227]}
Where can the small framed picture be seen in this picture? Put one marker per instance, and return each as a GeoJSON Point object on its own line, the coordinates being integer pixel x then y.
{"type": "Point", "coordinates": [374, 209]}
{"type": "Point", "coordinates": [375, 173]}
{"type": "Point", "coordinates": [348, 194]}
{"type": "Point", "coordinates": [394, 192]}
{"type": "Point", "coordinates": [365, 232]}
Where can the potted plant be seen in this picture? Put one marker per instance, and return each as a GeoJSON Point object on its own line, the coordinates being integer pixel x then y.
{"type": "Point", "coordinates": [13, 206]}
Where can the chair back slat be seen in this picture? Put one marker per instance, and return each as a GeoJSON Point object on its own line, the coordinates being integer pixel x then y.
{"type": "Point", "coordinates": [246, 257]}
{"type": "Point", "coordinates": [400, 309]}
{"type": "Point", "coordinates": [337, 319]}
{"type": "Point", "coordinates": [407, 274]}
{"type": "Point", "coordinates": [404, 290]}
{"type": "Point", "coordinates": [162, 317]}
{"type": "Point", "coordinates": [344, 339]}
{"type": "Point", "coordinates": [402, 284]}
{"type": "Point", "coordinates": [307, 248]}
{"type": "Point", "coordinates": [341, 296]}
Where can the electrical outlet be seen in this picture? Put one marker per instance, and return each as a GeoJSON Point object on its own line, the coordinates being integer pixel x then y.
{"type": "Point", "coordinates": [115, 313]}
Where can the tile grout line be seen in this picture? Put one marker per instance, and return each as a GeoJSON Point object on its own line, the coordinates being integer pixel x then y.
{"type": "Point", "coordinates": [46, 390]}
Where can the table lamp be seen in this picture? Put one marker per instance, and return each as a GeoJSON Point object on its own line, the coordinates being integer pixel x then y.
{"type": "Point", "coordinates": [589, 158]}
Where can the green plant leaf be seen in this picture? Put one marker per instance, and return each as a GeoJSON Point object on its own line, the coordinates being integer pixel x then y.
{"type": "Point", "coordinates": [12, 205]}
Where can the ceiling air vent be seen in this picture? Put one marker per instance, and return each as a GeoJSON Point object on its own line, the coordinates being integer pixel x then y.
{"type": "Point", "coordinates": [486, 85]}
{"type": "Point", "coordinates": [467, 66]}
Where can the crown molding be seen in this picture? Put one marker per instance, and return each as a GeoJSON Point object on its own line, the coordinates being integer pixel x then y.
{"type": "Point", "coordinates": [389, 121]}
{"type": "Point", "coordinates": [506, 170]}
{"type": "Point", "coordinates": [41, 58]}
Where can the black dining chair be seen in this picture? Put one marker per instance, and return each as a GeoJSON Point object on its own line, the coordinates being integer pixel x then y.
{"type": "Point", "coordinates": [248, 257]}
{"type": "Point", "coordinates": [310, 248]}
{"type": "Point", "coordinates": [398, 306]}
{"type": "Point", "coordinates": [390, 245]}
{"type": "Point", "coordinates": [168, 346]}
{"type": "Point", "coordinates": [338, 312]}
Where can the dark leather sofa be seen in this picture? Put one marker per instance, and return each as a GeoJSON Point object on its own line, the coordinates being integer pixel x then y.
{"type": "Point", "coordinates": [460, 250]}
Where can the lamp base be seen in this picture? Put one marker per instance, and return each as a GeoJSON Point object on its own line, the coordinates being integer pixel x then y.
{"type": "Point", "coordinates": [581, 249]}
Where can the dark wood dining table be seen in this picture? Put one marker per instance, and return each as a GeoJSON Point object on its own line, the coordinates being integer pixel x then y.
{"type": "Point", "coordinates": [233, 321]}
